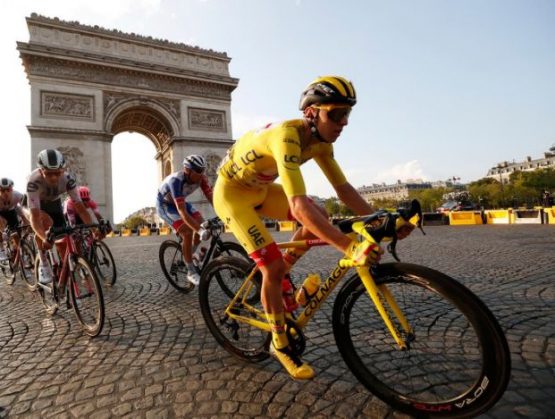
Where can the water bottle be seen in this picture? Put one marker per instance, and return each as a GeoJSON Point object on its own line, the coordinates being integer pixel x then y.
{"type": "Point", "coordinates": [310, 286]}
{"type": "Point", "coordinates": [288, 291]}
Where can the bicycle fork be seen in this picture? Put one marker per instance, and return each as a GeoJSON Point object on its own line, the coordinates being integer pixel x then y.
{"type": "Point", "coordinates": [382, 297]}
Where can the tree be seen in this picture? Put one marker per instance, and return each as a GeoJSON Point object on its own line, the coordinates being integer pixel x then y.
{"type": "Point", "coordinates": [336, 208]}
{"type": "Point", "coordinates": [429, 199]}
{"type": "Point", "coordinates": [134, 222]}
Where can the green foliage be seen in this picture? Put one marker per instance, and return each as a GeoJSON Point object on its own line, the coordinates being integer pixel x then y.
{"type": "Point", "coordinates": [430, 199]}
{"type": "Point", "coordinates": [135, 221]}
{"type": "Point", "coordinates": [336, 208]}
{"type": "Point", "coordinates": [523, 189]}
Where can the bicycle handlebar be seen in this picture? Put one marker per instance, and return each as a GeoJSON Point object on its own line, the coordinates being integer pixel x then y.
{"type": "Point", "coordinates": [54, 232]}
{"type": "Point", "coordinates": [389, 223]}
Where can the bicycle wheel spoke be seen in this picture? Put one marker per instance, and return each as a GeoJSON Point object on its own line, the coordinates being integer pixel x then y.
{"type": "Point", "coordinates": [87, 298]}
{"type": "Point", "coordinates": [221, 278]}
{"type": "Point", "coordinates": [173, 266]}
{"type": "Point", "coordinates": [105, 265]}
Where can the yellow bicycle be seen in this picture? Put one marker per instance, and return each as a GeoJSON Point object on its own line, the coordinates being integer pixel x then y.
{"type": "Point", "coordinates": [416, 338]}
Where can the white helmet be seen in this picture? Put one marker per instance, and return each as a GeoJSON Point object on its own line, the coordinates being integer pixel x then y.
{"type": "Point", "coordinates": [195, 162]}
{"type": "Point", "coordinates": [6, 183]}
{"type": "Point", "coordinates": [51, 159]}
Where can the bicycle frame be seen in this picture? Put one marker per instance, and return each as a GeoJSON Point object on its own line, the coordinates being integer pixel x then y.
{"type": "Point", "coordinates": [62, 272]}
{"type": "Point", "coordinates": [379, 294]}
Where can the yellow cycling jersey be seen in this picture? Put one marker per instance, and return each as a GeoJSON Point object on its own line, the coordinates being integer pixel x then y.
{"type": "Point", "coordinates": [259, 157]}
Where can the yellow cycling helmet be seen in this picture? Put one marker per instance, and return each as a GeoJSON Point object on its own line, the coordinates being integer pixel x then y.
{"type": "Point", "coordinates": [328, 89]}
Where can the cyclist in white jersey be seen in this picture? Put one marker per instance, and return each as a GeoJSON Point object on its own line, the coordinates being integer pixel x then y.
{"type": "Point", "coordinates": [181, 215]}
{"type": "Point", "coordinates": [45, 186]}
{"type": "Point", "coordinates": [10, 209]}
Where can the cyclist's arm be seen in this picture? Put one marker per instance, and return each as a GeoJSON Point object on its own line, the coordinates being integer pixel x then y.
{"type": "Point", "coordinates": [350, 197]}
{"type": "Point", "coordinates": [206, 189]}
{"type": "Point", "coordinates": [303, 210]}
{"type": "Point", "coordinates": [22, 215]}
{"type": "Point", "coordinates": [36, 224]}
{"type": "Point", "coordinates": [82, 212]}
{"type": "Point", "coordinates": [187, 219]}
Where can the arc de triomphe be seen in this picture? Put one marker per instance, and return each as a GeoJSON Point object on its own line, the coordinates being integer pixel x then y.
{"type": "Point", "coordinates": [89, 84]}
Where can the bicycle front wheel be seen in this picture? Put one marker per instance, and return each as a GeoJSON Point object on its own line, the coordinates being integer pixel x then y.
{"type": "Point", "coordinates": [86, 298]}
{"type": "Point", "coordinates": [457, 363]}
{"type": "Point", "coordinates": [104, 263]}
{"type": "Point", "coordinates": [26, 266]}
{"type": "Point", "coordinates": [173, 266]}
{"type": "Point", "coordinates": [240, 339]}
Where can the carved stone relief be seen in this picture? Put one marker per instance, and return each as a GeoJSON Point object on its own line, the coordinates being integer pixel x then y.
{"type": "Point", "coordinates": [207, 119]}
{"type": "Point", "coordinates": [120, 44]}
{"type": "Point", "coordinates": [113, 98]}
{"type": "Point", "coordinates": [61, 69]}
{"type": "Point", "coordinates": [75, 163]}
{"type": "Point", "coordinates": [212, 163]}
{"type": "Point", "coordinates": [66, 105]}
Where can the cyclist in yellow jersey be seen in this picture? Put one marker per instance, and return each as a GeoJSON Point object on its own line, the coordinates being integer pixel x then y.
{"type": "Point", "coordinates": [245, 191]}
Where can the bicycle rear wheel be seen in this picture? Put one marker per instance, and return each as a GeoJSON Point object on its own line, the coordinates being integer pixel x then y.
{"type": "Point", "coordinates": [232, 249]}
{"type": "Point", "coordinates": [104, 263]}
{"type": "Point", "coordinates": [173, 266]}
{"type": "Point", "coordinates": [239, 339]}
{"type": "Point", "coordinates": [26, 265]}
{"type": "Point", "coordinates": [7, 271]}
{"type": "Point", "coordinates": [458, 361]}
{"type": "Point", "coordinates": [86, 298]}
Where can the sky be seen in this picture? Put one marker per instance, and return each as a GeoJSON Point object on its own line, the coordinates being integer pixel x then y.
{"type": "Point", "coordinates": [445, 88]}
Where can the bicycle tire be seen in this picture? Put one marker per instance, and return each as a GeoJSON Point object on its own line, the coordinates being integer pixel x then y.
{"type": "Point", "coordinates": [456, 338]}
{"type": "Point", "coordinates": [231, 249]}
{"type": "Point", "coordinates": [174, 267]}
{"type": "Point", "coordinates": [239, 339]}
{"type": "Point", "coordinates": [86, 297]}
{"type": "Point", "coordinates": [47, 296]}
{"type": "Point", "coordinates": [104, 263]}
{"type": "Point", "coordinates": [7, 271]}
{"type": "Point", "coordinates": [26, 265]}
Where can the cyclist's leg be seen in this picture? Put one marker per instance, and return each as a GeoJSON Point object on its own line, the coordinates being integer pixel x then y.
{"type": "Point", "coordinates": [196, 238]}
{"type": "Point", "coordinates": [45, 272]}
{"type": "Point", "coordinates": [55, 210]}
{"type": "Point", "coordinates": [277, 207]}
{"type": "Point", "coordinates": [3, 224]}
{"type": "Point", "coordinates": [238, 208]}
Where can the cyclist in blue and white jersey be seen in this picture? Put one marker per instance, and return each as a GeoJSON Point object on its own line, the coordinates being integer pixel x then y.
{"type": "Point", "coordinates": [182, 216]}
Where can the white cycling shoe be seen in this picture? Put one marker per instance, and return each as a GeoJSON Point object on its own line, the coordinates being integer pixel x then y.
{"type": "Point", "coordinates": [193, 278]}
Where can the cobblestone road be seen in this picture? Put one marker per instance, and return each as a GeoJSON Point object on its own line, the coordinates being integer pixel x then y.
{"type": "Point", "coordinates": [155, 357]}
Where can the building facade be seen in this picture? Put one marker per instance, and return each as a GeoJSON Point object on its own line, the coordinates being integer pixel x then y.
{"type": "Point", "coordinates": [397, 191]}
{"type": "Point", "coordinates": [503, 170]}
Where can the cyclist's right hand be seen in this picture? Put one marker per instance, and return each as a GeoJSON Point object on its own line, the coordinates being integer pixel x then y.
{"type": "Point", "coordinates": [364, 253]}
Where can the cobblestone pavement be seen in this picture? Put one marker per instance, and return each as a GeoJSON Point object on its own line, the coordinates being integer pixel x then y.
{"type": "Point", "coordinates": [155, 357]}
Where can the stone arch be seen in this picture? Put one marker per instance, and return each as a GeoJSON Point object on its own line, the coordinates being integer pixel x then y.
{"type": "Point", "coordinates": [145, 116]}
{"type": "Point", "coordinates": [89, 83]}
